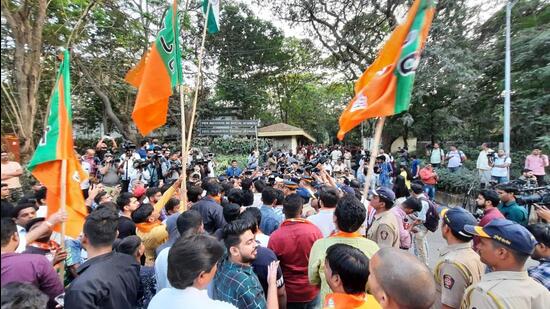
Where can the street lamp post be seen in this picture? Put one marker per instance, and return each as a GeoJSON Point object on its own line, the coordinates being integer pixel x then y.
{"type": "Point", "coordinates": [507, 65]}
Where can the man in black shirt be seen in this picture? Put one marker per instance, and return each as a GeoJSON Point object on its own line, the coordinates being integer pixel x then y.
{"type": "Point", "coordinates": [107, 279]}
{"type": "Point", "coordinates": [126, 203]}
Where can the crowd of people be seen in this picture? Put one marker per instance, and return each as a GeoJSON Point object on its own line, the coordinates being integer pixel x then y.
{"type": "Point", "coordinates": [288, 230]}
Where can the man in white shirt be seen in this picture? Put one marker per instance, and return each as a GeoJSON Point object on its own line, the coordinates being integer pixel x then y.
{"type": "Point", "coordinates": [437, 156]}
{"type": "Point", "coordinates": [192, 264]}
{"type": "Point", "coordinates": [335, 155]}
{"type": "Point", "coordinates": [23, 214]}
{"type": "Point", "coordinates": [324, 220]}
{"type": "Point", "coordinates": [126, 166]}
{"type": "Point", "coordinates": [500, 165]}
{"type": "Point", "coordinates": [483, 166]}
{"type": "Point", "coordinates": [455, 158]}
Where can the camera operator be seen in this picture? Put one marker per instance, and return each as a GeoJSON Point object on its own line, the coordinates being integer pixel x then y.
{"type": "Point", "coordinates": [126, 165]}
{"type": "Point", "coordinates": [153, 167]}
{"type": "Point", "coordinates": [171, 168]}
{"type": "Point", "coordinates": [140, 174]}
{"type": "Point", "coordinates": [108, 171]}
{"type": "Point", "coordinates": [528, 178]}
{"type": "Point", "coordinates": [500, 166]}
{"type": "Point", "coordinates": [102, 148]}
{"type": "Point", "coordinates": [508, 205]}
{"type": "Point", "coordinates": [211, 165]}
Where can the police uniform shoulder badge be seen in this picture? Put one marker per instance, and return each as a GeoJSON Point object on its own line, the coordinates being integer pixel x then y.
{"type": "Point", "coordinates": [448, 281]}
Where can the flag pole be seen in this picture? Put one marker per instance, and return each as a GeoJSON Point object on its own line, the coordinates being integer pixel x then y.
{"type": "Point", "coordinates": [63, 202]}
{"type": "Point", "coordinates": [198, 79]}
{"type": "Point", "coordinates": [374, 153]}
{"type": "Point", "coordinates": [183, 188]}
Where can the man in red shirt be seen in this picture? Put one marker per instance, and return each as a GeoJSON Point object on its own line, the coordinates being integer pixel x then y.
{"type": "Point", "coordinates": [488, 201]}
{"type": "Point", "coordinates": [429, 179]}
{"type": "Point", "coordinates": [292, 243]}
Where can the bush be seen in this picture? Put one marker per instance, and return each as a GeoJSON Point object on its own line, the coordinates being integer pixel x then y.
{"type": "Point", "coordinates": [457, 182]}
{"type": "Point", "coordinates": [223, 161]}
{"type": "Point", "coordinates": [234, 145]}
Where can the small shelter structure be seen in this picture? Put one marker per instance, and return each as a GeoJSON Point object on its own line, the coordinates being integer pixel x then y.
{"type": "Point", "coordinates": [286, 136]}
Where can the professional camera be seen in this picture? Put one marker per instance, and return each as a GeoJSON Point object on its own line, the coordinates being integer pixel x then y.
{"type": "Point", "coordinates": [128, 146]}
{"type": "Point", "coordinates": [322, 159]}
{"type": "Point", "coordinates": [140, 164]}
{"type": "Point", "coordinates": [529, 196]}
{"type": "Point", "coordinates": [491, 156]}
{"type": "Point", "coordinates": [175, 166]}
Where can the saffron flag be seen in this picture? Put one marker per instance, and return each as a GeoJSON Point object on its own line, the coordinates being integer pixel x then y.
{"type": "Point", "coordinates": [157, 73]}
{"type": "Point", "coordinates": [213, 18]}
{"type": "Point", "coordinates": [55, 147]}
{"type": "Point", "coordinates": [385, 88]}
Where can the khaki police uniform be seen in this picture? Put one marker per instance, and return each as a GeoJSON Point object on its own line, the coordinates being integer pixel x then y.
{"type": "Point", "coordinates": [458, 267]}
{"type": "Point", "coordinates": [384, 230]}
{"type": "Point", "coordinates": [506, 289]}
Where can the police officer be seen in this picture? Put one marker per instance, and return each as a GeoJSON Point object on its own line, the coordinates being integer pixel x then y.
{"type": "Point", "coordinates": [505, 246]}
{"type": "Point", "coordinates": [384, 229]}
{"type": "Point", "coordinates": [459, 266]}
{"type": "Point", "coordinates": [290, 187]}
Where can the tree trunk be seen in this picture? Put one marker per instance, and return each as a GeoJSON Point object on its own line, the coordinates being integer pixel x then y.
{"type": "Point", "coordinates": [26, 22]}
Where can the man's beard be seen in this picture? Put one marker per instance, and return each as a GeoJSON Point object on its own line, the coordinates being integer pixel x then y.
{"type": "Point", "coordinates": [249, 258]}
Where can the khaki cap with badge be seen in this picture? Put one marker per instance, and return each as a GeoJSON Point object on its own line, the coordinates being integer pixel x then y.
{"type": "Point", "coordinates": [506, 289]}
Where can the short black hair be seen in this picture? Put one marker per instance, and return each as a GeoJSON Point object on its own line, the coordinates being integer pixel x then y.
{"type": "Point", "coordinates": [259, 185]}
{"type": "Point", "coordinates": [40, 194]}
{"type": "Point", "coordinates": [269, 195]}
{"type": "Point", "coordinates": [194, 193]}
{"type": "Point", "coordinates": [541, 232]}
{"type": "Point", "coordinates": [20, 207]}
{"type": "Point", "coordinates": [417, 188]}
{"type": "Point", "coordinates": [351, 264]}
{"type": "Point", "coordinates": [123, 200]}
{"type": "Point", "coordinates": [99, 196]}
{"type": "Point", "coordinates": [128, 245]}
{"type": "Point", "coordinates": [508, 188]}
{"type": "Point", "coordinates": [280, 196]}
{"type": "Point", "coordinates": [190, 256]}
{"type": "Point", "coordinates": [152, 191]}
{"type": "Point", "coordinates": [171, 204]}
{"type": "Point", "coordinates": [292, 205]}
{"type": "Point", "coordinates": [142, 213]}
{"type": "Point", "coordinates": [213, 189]}
{"type": "Point", "coordinates": [101, 227]}
{"type": "Point", "coordinates": [188, 221]}
{"type": "Point", "coordinates": [231, 233]}
{"type": "Point", "coordinates": [23, 295]}
{"type": "Point", "coordinates": [235, 196]}
{"type": "Point", "coordinates": [490, 195]}
{"type": "Point", "coordinates": [350, 214]}
{"type": "Point", "coordinates": [329, 197]}
{"type": "Point", "coordinates": [8, 228]}
{"type": "Point", "coordinates": [412, 203]}
{"type": "Point", "coordinates": [520, 257]}
{"type": "Point", "coordinates": [252, 213]}
{"type": "Point", "coordinates": [111, 205]}
{"type": "Point", "coordinates": [246, 183]}
{"type": "Point", "coordinates": [231, 211]}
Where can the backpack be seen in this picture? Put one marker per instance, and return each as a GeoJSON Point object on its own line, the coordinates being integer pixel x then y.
{"type": "Point", "coordinates": [432, 216]}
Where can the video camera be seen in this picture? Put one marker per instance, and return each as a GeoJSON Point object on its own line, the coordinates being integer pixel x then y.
{"type": "Point", "coordinates": [140, 164]}
{"type": "Point", "coordinates": [128, 146]}
{"type": "Point", "coordinates": [529, 196]}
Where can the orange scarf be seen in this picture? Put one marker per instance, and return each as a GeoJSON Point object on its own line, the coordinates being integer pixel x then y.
{"type": "Point", "coordinates": [346, 235]}
{"type": "Point", "coordinates": [147, 227]}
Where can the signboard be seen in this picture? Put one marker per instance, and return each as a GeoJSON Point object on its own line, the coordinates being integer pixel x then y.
{"type": "Point", "coordinates": [227, 127]}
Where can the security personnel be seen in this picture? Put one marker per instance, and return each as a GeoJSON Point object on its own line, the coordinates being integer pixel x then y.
{"type": "Point", "coordinates": [505, 246]}
{"type": "Point", "coordinates": [290, 187]}
{"type": "Point", "coordinates": [459, 265]}
{"type": "Point", "coordinates": [384, 229]}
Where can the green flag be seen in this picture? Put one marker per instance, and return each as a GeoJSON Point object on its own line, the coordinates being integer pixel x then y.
{"type": "Point", "coordinates": [213, 24]}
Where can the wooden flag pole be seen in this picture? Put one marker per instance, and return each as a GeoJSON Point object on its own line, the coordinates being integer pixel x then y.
{"type": "Point", "coordinates": [63, 202]}
{"type": "Point", "coordinates": [374, 153]}
{"type": "Point", "coordinates": [197, 80]}
{"type": "Point", "coordinates": [183, 188]}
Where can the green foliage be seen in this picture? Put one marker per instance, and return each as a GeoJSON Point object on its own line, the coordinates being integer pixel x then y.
{"type": "Point", "coordinates": [457, 182]}
{"type": "Point", "coordinates": [224, 161]}
{"type": "Point", "coordinates": [230, 146]}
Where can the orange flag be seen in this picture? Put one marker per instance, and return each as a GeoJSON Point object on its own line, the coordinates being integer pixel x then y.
{"type": "Point", "coordinates": [156, 75]}
{"type": "Point", "coordinates": [55, 147]}
{"type": "Point", "coordinates": [385, 88]}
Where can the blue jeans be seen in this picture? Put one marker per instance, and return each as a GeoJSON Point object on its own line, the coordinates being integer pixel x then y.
{"type": "Point", "coordinates": [500, 179]}
{"type": "Point", "coordinates": [454, 169]}
{"type": "Point", "coordinates": [430, 191]}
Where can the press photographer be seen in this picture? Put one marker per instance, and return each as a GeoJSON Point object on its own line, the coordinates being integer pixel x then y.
{"type": "Point", "coordinates": [171, 168]}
